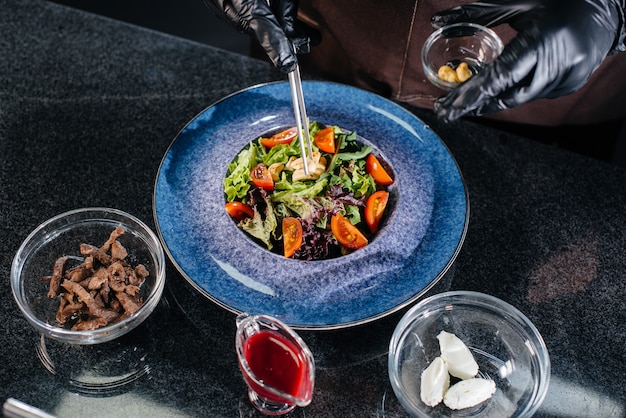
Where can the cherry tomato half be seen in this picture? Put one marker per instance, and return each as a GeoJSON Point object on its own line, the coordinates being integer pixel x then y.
{"type": "Point", "coordinates": [374, 208]}
{"type": "Point", "coordinates": [347, 234]}
{"type": "Point", "coordinates": [377, 171]}
{"type": "Point", "coordinates": [239, 210]}
{"type": "Point", "coordinates": [325, 140]}
{"type": "Point", "coordinates": [292, 235]}
{"type": "Point", "coordinates": [283, 137]}
{"type": "Point", "coordinates": [261, 177]}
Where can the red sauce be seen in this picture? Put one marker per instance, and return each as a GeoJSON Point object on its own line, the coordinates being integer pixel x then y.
{"type": "Point", "coordinates": [277, 362]}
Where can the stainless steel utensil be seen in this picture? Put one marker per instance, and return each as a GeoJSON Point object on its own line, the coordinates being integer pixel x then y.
{"type": "Point", "coordinates": [13, 408]}
{"type": "Point", "coordinates": [302, 121]}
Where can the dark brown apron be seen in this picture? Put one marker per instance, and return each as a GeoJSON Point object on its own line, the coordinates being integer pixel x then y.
{"type": "Point", "coordinates": [376, 45]}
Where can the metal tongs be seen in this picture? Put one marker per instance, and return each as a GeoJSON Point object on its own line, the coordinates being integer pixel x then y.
{"type": "Point", "coordinates": [13, 408]}
{"type": "Point", "coordinates": [302, 121]}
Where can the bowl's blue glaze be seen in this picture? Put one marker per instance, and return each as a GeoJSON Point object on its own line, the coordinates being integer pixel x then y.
{"type": "Point", "coordinates": [411, 252]}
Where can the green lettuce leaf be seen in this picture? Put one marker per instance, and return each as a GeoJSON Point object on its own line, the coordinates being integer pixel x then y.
{"type": "Point", "coordinates": [237, 183]}
{"type": "Point", "coordinates": [262, 226]}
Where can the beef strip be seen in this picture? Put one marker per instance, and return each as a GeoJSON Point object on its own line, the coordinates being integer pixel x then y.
{"type": "Point", "coordinates": [69, 307]}
{"type": "Point", "coordinates": [132, 291]}
{"type": "Point", "coordinates": [117, 232]}
{"type": "Point", "coordinates": [91, 250]}
{"type": "Point", "coordinates": [101, 290]}
{"type": "Point", "coordinates": [57, 275]}
{"type": "Point", "coordinates": [118, 252]}
{"type": "Point", "coordinates": [92, 307]}
{"type": "Point", "coordinates": [139, 275]}
{"type": "Point", "coordinates": [129, 304]}
{"type": "Point", "coordinates": [117, 276]}
{"type": "Point", "coordinates": [98, 280]}
{"type": "Point", "coordinates": [90, 324]}
{"type": "Point", "coordinates": [78, 273]}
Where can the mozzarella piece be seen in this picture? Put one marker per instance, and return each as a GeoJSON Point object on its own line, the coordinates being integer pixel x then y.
{"type": "Point", "coordinates": [435, 382]}
{"type": "Point", "coordinates": [468, 393]}
{"type": "Point", "coordinates": [457, 356]}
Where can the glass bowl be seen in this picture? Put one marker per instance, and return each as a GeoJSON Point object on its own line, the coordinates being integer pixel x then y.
{"type": "Point", "coordinates": [506, 346]}
{"type": "Point", "coordinates": [453, 44]}
{"type": "Point", "coordinates": [62, 235]}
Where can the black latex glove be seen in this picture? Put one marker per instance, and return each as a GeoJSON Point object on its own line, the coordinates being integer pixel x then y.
{"type": "Point", "coordinates": [559, 44]}
{"type": "Point", "coordinates": [273, 23]}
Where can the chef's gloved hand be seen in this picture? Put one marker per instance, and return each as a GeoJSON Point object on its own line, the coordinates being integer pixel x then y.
{"type": "Point", "coordinates": [559, 44]}
{"type": "Point", "coordinates": [273, 23]}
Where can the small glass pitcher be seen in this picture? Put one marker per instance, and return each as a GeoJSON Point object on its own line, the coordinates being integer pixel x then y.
{"type": "Point", "coordinates": [277, 365]}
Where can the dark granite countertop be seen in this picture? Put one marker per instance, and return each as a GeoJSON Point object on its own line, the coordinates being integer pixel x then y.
{"type": "Point", "coordinates": [88, 107]}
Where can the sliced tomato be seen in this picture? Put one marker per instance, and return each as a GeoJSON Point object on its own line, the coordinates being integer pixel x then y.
{"type": "Point", "coordinates": [292, 235]}
{"type": "Point", "coordinates": [347, 234]}
{"type": "Point", "coordinates": [325, 140]}
{"type": "Point", "coordinates": [377, 171]}
{"type": "Point", "coordinates": [261, 177]}
{"type": "Point", "coordinates": [239, 210]}
{"type": "Point", "coordinates": [283, 137]}
{"type": "Point", "coordinates": [374, 208]}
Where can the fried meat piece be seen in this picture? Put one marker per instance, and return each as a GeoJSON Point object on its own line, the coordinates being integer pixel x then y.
{"type": "Point", "coordinates": [57, 275]}
{"type": "Point", "coordinates": [141, 272]}
{"type": "Point", "coordinates": [95, 252]}
{"type": "Point", "coordinates": [132, 291]}
{"type": "Point", "coordinates": [98, 279]}
{"type": "Point", "coordinates": [89, 324]}
{"type": "Point", "coordinates": [129, 304]}
{"type": "Point", "coordinates": [69, 307]}
{"type": "Point", "coordinates": [117, 276]}
{"type": "Point", "coordinates": [78, 273]}
{"type": "Point", "coordinates": [117, 232]}
{"type": "Point", "coordinates": [102, 290]}
{"type": "Point", "coordinates": [118, 252]}
{"type": "Point", "coordinates": [85, 297]}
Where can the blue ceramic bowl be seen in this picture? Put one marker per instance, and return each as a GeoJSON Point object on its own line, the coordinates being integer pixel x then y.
{"type": "Point", "coordinates": [411, 252]}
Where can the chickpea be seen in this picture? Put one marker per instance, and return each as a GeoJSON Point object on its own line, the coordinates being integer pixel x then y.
{"type": "Point", "coordinates": [463, 72]}
{"type": "Point", "coordinates": [448, 74]}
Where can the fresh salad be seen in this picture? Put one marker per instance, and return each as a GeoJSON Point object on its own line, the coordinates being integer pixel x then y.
{"type": "Point", "coordinates": [335, 209]}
